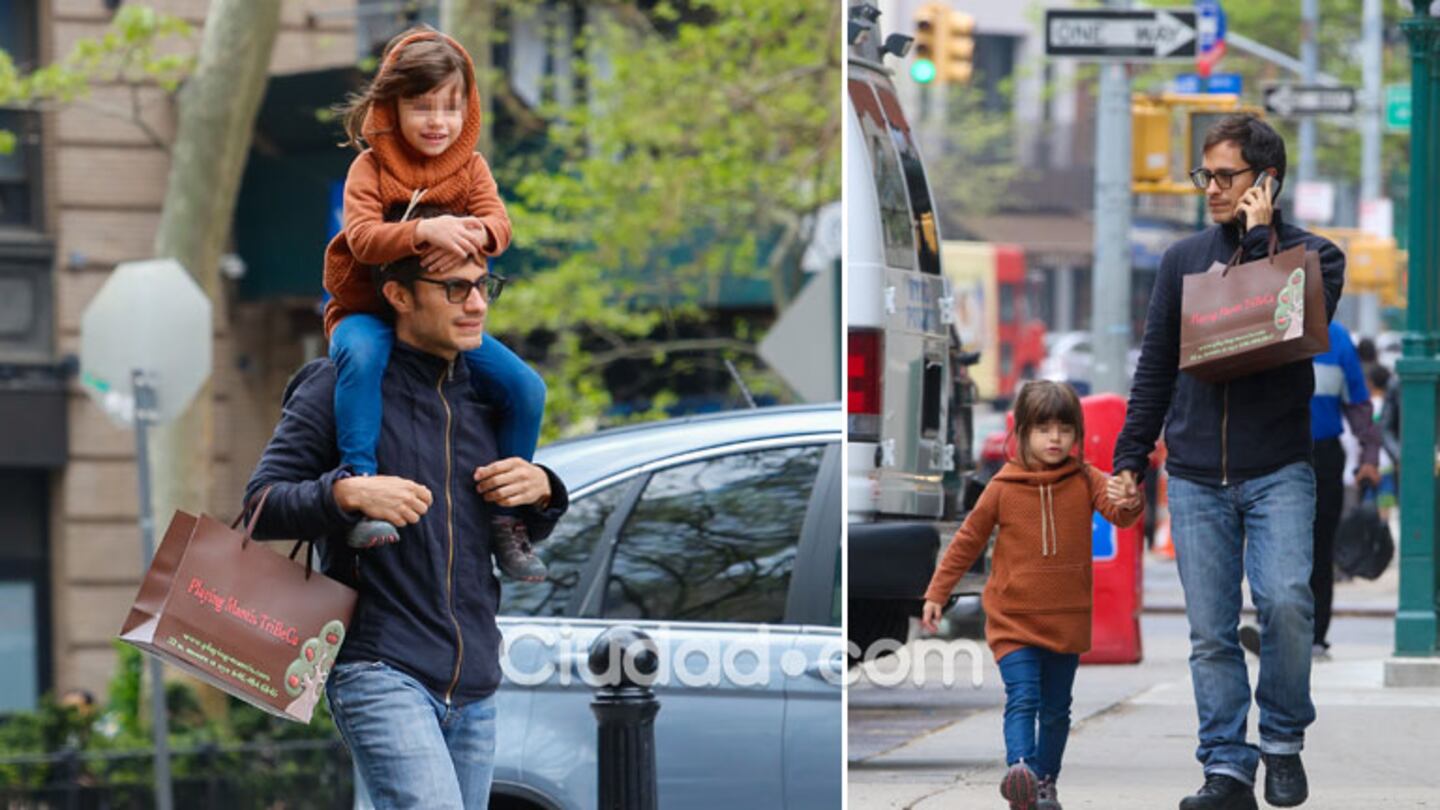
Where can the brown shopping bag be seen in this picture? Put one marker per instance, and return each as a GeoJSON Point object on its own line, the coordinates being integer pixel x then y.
{"type": "Point", "coordinates": [1238, 319]}
{"type": "Point", "coordinates": [245, 620]}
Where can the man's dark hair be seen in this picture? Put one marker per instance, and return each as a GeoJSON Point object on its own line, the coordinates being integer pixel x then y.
{"type": "Point", "coordinates": [1260, 145]}
{"type": "Point", "coordinates": [1366, 349]}
{"type": "Point", "coordinates": [1378, 376]}
{"type": "Point", "coordinates": [406, 270]}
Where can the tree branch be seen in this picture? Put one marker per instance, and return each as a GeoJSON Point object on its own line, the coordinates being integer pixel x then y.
{"type": "Point", "coordinates": [649, 347]}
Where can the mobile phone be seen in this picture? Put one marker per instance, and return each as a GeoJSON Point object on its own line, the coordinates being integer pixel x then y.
{"type": "Point", "coordinates": [1259, 183]}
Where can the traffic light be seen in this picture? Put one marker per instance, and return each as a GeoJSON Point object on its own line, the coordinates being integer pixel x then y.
{"type": "Point", "coordinates": [957, 48]}
{"type": "Point", "coordinates": [1150, 140]}
{"type": "Point", "coordinates": [929, 20]}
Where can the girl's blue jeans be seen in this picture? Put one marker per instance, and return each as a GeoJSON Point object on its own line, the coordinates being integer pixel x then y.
{"type": "Point", "coordinates": [360, 348]}
{"type": "Point", "coordinates": [1038, 688]}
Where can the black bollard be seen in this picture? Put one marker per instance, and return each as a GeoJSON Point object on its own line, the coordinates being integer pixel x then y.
{"type": "Point", "coordinates": [625, 661]}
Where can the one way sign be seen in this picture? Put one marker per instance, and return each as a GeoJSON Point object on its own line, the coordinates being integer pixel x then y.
{"type": "Point", "coordinates": [1130, 36]}
{"type": "Point", "coordinates": [1316, 99]}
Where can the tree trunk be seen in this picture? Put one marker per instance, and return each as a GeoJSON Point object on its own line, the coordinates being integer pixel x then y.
{"type": "Point", "coordinates": [217, 110]}
{"type": "Point", "coordinates": [472, 23]}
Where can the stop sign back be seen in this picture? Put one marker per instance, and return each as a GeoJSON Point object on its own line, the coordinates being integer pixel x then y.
{"type": "Point", "coordinates": [150, 316]}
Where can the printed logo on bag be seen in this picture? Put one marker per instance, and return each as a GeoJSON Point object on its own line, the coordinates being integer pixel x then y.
{"type": "Point", "coordinates": [1290, 309]}
{"type": "Point", "coordinates": [305, 678]}
{"type": "Point", "coordinates": [232, 607]}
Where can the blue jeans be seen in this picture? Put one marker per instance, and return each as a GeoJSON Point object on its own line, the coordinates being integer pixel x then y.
{"type": "Point", "coordinates": [360, 348]}
{"type": "Point", "coordinates": [1038, 686]}
{"type": "Point", "coordinates": [410, 749]}
{"type": "Point", "coordinates": [1261, 529]}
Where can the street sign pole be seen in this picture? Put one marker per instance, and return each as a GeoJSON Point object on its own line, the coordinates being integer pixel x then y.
{"type": "Point", "coordinates": [1110, 279]}
{"type": "Point", "coordinates": [145, 413]}
{"type": "Point", "coordinates": [1310, 59]}
{"type": "Point", "coordinates": [1416, 620]}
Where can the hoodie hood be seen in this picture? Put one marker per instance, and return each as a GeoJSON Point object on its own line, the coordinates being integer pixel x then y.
{"type": "Point", "coordinates": [381, 129]}
{"type": "Point", "coordinates": [1015, 473]}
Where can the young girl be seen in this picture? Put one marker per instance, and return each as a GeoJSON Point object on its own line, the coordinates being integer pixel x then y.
{"type": "Point", "coordinates": [420, 119]}
{"type": "Point", "coordinates": [1037, 603]}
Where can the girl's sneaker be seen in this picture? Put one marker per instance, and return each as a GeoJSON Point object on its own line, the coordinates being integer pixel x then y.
{"type": "Point", "coordinates": [1019, 787]}
{"type": "Point", "coordinates": [512, 549]}
{"type": "Point", "coordinates": [372, 533]}
{"type": "Point", "coordinates": [1047, 797]}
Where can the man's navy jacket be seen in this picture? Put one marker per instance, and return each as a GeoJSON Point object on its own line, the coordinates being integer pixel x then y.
{"type": "Point", "coordinates": [427, 603]}
{"type": "Point", "coordinates": [1220, 433]}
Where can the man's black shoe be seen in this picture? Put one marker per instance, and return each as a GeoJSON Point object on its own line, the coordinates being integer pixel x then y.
{"type": "Point", "coordinates": [1221, 792]}
{"type": "Point", "coordinates": [1250, 638]}
{"type": "Point", "coordinates": [1285, 783]}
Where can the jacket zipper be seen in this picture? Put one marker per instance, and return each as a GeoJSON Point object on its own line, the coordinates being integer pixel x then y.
{"type": "Point", "coordinates": [450, 533]}
{"type": "Point", "coordinates": [1225, 440]}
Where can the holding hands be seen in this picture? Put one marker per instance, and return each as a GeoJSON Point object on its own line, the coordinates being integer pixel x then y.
{"type": "Point", "coordinates": [1124, 491]}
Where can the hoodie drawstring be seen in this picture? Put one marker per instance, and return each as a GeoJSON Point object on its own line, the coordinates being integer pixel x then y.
{"type": "Point", "coordinates": [1049, 533]}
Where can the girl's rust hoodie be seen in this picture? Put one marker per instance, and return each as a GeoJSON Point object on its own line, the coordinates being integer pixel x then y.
{"type": "Point", "coordinates": [1039, 590]}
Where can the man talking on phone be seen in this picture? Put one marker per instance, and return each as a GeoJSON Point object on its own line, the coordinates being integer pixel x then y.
{"type": "Point", "coordinates": [1242, 485]}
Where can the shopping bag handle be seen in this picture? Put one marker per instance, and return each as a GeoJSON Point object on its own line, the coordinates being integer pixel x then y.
{"type": "Point", "coordinates": [1271, 247]}
{"type": "Point", "coordinates": [255, 518]}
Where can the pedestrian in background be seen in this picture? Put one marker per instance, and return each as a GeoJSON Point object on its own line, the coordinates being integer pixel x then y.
{"type": "Point", "coordinates": [1038, 600]}
{"type": "Point", "coordinates": [1341, 396]}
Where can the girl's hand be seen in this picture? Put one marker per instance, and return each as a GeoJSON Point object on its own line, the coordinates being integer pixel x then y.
{"type": "Point", "coordinates": [440, 260]}
{"type": "Point", "coordinates": [459, 236]}
{"type": "Point", "coordinates": [930, 619]}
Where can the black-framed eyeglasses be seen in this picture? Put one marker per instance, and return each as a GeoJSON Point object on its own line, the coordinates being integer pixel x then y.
{"type": "Point", "coordinates": [457, 290]}
{"type": "Point", "coordinates": [1224, 179]}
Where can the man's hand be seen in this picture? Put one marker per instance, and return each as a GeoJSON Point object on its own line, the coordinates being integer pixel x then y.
{"type": "Point", "coordinates": [1368, 473]}
{"type": "Point", "coordinates": [383, 497]}
{"type": "Point", "coordinates": [930, 619]}
{"type": "Point", "coordinates": [1256, 203]}
{"type": "Point", "coordinates": [455, 237]}
{"type": "Point", "coordinates": [513, 482]}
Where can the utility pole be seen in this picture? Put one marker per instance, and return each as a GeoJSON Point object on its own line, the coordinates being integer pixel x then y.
{"type": "Point", "coordinates": [1371, 109]}
{"type": "Point", "coordinates": [1419, 368]}
{"type": "Point", "coordinates": [1310, 61]}
{"type": "Point", "coordinates": [1110, 277]}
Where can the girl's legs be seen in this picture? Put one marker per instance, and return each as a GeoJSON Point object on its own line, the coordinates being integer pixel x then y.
{"type": "Point", "coordinates": [1020, 669]}
{"type": "Point", "coordinates": [518, 394]}
{"type": "Point", "coordinates": [1057, 682]}
{"type": "Point", "coordinates": [360, 349]}
{"type": "Point", "coordinates": [516, 390]}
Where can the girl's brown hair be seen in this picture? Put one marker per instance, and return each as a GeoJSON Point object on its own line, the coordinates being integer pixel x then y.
{"type": "Point", "coordinates": [417, 69]}
{"type": "Point", "coordinates": [1042, 401]}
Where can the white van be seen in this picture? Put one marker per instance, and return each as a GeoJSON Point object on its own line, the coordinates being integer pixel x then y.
{"type": "Point", "coordinates": [899, 366]}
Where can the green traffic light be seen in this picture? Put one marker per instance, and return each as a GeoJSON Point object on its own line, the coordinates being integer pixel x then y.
{"type": "Point", "coordinates": [922, 71]}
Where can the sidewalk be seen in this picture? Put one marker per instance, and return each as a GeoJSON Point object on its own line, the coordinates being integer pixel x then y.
{"type": "Point", "coordinates": [1355, 597]}
{"type": "Point", "coordinates": [1133, 741]}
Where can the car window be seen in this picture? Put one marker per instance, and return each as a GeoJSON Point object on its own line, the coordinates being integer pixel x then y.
{"type": "Point", "coordinates": [889, 183]}
{"type": "Point", "coordinates": [565, 553]}
{"type": "Point", "coordinates": [714, 540]}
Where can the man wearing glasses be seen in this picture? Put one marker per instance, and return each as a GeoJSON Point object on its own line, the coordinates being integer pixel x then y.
{"type": "Point", "coordinates": [1242, 488]}
{"type": "Point", "coordinates": [412, 692]}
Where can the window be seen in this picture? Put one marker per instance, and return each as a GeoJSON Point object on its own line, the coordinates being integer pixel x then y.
{"type": "Point", "coordinates": [24, 590]}
{"type": "Point", "coordinates": [714, 540]}
{"type": "Point", "coordinates": [565, 553]}
{"type": "Point", "coordinates": [889, 184]}
{"type": "Point", "coordinates": [19, 170]}
{"type": "Point", "coordinates": [927, 235]}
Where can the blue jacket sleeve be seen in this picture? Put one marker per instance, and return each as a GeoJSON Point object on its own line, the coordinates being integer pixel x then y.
{"type": "Point", "coordinates": [300, 464]}
{"type": "Point", "coordinates": [1154, 382]}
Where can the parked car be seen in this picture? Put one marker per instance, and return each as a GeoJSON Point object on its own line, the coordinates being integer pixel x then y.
{"type": "Point", "coordinates": [718, 536]}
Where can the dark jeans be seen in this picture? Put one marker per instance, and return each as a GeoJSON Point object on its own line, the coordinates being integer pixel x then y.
{"type": "Point", "coordinates": [1038, 685]}
{"type": "Point", "coordinates": [1329, 503]}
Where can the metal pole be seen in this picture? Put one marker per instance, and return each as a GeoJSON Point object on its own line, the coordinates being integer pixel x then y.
{"type": "Point", "coordinates": [1374, 104]}
{"type": "Point", "coordinates": [1110, 278]}
{"type": "Point", "coordinates": [145, 406]}
{"type": "Point", "coordinates": [1419, 367]}
{"type": "Point", "coordinates": [1310, 62]}
{"type": "Point", "coordinates": [625, 707]}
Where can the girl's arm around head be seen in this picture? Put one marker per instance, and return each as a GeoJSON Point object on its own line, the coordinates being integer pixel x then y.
{"type": "Point", "coordinates": [966, 546]}
{"type": "Point", "coordinates": [372, 240]}
{"type": "Point", "coordinates": [485, 204]}
{"type": "Point", "coordinates": [1112, 509]}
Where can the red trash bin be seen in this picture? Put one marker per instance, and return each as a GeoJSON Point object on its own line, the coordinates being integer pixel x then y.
{"type": "Point", "coordinates": [1119, 583]}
